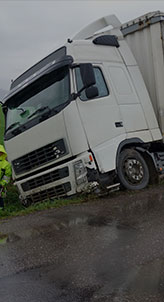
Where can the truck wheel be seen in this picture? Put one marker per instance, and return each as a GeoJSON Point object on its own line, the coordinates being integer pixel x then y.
{"type": "Point", "coordinates": [132, 170]}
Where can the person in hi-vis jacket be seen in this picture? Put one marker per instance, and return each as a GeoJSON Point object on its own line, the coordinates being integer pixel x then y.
{"type": "Point", "coordinates": [5, 175]}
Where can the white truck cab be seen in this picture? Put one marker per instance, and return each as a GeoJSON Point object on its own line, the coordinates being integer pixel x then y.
{"type": "Point", "coordinates": [82, 115]}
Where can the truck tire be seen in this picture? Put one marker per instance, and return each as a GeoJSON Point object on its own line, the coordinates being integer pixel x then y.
{"type": "Point", "coordinates": [132, 170]}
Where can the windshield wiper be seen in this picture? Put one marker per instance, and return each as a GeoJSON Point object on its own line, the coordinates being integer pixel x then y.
{"type": "Point", "coordinates": [12, 126]}
{"type": "Point", "coordinates": [38, 111]}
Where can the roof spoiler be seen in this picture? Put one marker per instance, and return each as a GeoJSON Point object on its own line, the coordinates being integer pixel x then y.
{"type": "Point", "coordinates": [100, 24]}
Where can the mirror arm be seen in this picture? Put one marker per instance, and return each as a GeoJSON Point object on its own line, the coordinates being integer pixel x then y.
{"type": "Point", "coordinates": [75, 95]}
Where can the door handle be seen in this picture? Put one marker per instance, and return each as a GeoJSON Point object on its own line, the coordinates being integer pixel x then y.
{"type": "Point", "coordinates": [118, 124]}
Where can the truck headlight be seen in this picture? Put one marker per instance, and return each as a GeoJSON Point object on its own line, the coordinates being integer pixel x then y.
{"type": "Point", "coordinates": [80, 172]}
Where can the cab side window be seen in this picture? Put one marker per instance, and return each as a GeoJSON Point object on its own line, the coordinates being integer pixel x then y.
{"type": "Point", "coordinates": [100, 83]}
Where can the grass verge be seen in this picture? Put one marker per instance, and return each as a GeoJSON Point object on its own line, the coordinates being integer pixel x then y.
{"type": "Point", "coordinates": [13, 206]}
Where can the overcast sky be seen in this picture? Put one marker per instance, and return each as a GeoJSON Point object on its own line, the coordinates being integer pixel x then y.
{"type": "Point", "coordinates": [29, 30]}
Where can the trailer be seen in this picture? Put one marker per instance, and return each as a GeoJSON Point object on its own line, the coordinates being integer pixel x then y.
{"type": "Point", "coordinates": [145, 36]}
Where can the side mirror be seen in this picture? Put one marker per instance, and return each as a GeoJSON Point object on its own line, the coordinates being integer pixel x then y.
{"type": "Point", "coordinates": [91, 92]}
{"type": "Point", "coordinates": [87, 74]}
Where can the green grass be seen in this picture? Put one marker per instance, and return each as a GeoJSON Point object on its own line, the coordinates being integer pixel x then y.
{"type": "Point", "coordinates": [13, 206]}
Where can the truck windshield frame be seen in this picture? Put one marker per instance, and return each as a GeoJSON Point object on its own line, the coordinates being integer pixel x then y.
{"type": "Point", "coordinates": [46, 97]}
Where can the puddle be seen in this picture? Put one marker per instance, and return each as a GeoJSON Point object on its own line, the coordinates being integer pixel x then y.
{"type": "Point", "coordinates": [99, 221]}
{"type": "Point", "coordinates": [3, 239]}
{"type": "Point", "coordinates": [7, 238]}
{"type": "Point", "coordinates": [88, 220]}
{"type": "Point", "coordinates": [13, 237]}
{"type": "Point", "coordinates": [78, 222]}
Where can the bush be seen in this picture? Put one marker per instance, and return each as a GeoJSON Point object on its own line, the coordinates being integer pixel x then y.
{"type": "Point", "coordinates": [11, 201]}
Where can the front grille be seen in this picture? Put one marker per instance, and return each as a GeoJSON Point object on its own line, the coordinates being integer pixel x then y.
{"type": "Point", "coordinates": [39, 157]}
{"type": "Point", "coordinates": [45, 179]}
{"type": "Point", "coordinates": [54, 192]}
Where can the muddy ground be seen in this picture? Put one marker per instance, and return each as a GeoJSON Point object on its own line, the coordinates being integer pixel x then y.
{"type": "Point", "coordinates": [111, 249]}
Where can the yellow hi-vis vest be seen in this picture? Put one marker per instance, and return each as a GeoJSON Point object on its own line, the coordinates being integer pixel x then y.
{"type": "Point", "coordinates": [5, 168]}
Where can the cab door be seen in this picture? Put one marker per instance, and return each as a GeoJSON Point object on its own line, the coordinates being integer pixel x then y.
{"type": "Point", "coordinates": [101, 117]}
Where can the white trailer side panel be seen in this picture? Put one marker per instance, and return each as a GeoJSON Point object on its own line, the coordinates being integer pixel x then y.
{"type": "Point", "coordinates": [146, 43]}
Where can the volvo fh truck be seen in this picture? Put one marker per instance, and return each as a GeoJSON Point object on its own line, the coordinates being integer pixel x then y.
{"type": "Point", "coordinates": [83, 115]}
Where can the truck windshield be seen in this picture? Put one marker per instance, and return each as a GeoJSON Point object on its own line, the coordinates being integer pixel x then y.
{"type": "Point", "coordinates": [46, 97]}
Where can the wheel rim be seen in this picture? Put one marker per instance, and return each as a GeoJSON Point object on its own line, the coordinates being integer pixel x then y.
{"type": "Point", "coordinates": [133, 170]}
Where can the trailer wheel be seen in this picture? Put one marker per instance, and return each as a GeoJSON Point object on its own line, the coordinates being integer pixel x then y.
{"type": "Point", "coordinates": [132, 170]}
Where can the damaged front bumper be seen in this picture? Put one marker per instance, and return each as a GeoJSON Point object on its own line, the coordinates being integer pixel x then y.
{"type": "Point", "coordinates": [61, 181]}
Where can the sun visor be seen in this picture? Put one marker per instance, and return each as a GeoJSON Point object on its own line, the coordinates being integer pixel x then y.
{"type": "Point", "coordinates": [39, 76]}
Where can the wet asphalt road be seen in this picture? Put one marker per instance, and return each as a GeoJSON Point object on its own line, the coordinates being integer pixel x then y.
{"type": "Point", "coordinates": [110, 249]}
